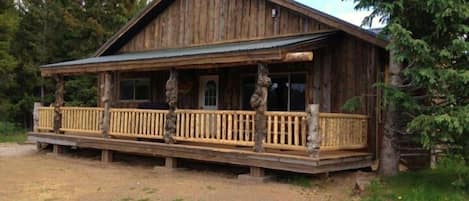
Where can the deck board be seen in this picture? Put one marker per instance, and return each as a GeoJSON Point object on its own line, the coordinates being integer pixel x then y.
{"type": "Point", "coordinates": [329, 161]}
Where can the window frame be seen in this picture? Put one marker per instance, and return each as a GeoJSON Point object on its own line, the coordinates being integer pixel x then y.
{"type": "Point", "coordinates": [134, 90]}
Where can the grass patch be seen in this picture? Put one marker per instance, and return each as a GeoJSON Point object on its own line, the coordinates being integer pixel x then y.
{"type": "Point", "coordinates": [449, 182]}
{"type": "Point", "coordinates": [9, 132]}
{"type": "Point", "coordinates": [20, 137]}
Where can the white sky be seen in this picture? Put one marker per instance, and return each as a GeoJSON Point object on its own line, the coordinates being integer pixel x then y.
{"type": "Point", "coordinates": [343, 9]}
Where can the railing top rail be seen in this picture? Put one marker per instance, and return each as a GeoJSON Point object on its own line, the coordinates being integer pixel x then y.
{"type": "Point", "coordinates": [277, 113]}
{"type": "Point", "coordinates": [342, 115]}
{"type": "Point", "coordinates": [137, 110]}
{"type": "Point", "coordinates": [81, 108]}
{"type": "Point", "coordinates": [216, 111]}
{"type": "Point", "coordinates": [45, 108]}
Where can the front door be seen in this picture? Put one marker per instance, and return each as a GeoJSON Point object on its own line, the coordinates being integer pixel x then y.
{"type": "Point", "coordinates": [208, 97]}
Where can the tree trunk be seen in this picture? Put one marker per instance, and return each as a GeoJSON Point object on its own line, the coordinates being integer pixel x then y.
{"type": "Point", "coordinates": [389, 157]}
{"type": "Point", "coordinates": [171, 99]}
{"type": "Point", "coordinates": [59, 102]}
{"type": "Point", "coordinates": [259, 103]}
{"type": "Point", "coordinates": [314, 139]}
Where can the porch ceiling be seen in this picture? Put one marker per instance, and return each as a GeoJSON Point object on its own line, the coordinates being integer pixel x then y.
{"type": "Point", "coordinates": [265, 50]}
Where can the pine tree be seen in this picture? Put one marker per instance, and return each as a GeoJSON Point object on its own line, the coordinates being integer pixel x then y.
{"type": "Point", "coordinates": [430, 40]}
{"type": "Point", "coordinates": [52, 31]}
{"type": "Point", "coordinates": [8, 24]}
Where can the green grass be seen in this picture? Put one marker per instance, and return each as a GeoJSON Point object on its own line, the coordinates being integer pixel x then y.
{"type": "Point", "coordinates": [448, 182]}
{"type": "Point", "coordinates": [19, 137]}
{"type": "Point", "coordinates": [9, 132]}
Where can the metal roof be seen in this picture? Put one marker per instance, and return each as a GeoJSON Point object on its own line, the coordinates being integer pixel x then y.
{"type": "Point", "coordinates": [200, 50]}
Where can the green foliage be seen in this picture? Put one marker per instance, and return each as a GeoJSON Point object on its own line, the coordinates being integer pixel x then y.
{"type": "Point", "coordinates": [430, 39]}
{"type": "Point", "coordinates": [10, 132]}
{"type": "Point", "coordinates": [301, 181]}
{"type": "Point", "coordinates": [449, 182]}
{"type": "Point", "coordinates": [352, 104]}
{"type": "Point", "coordinates": [40, 32]}
{"type": "Point", "coordinates": [8, 24]}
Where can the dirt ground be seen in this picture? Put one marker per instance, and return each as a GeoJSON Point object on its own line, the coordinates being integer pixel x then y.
{"type": "Point", "coordinates": [27, 175]}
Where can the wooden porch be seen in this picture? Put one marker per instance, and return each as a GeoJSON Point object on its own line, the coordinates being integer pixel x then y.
{"type": "Point", "coordinates": [218, 136]}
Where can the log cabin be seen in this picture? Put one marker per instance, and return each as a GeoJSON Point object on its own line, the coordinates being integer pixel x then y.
{"type": "Point", "coordinates": [257, 83]}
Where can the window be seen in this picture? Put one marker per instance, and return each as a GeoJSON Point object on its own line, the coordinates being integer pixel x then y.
{"type": "Point", "coordinates": [210, 95]}
{"type": "Point", "coordinates": [135, 89]}
{"type": "Point", "coordinates": [287, 92]}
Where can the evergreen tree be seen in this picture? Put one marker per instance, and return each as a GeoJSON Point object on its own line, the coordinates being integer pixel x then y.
{"type": "Point", "coordinates": [8, 24]}
{"type": "Point", "coordinates": [430, 39]}
{"type": "Point", "coordinates": [52, 31]}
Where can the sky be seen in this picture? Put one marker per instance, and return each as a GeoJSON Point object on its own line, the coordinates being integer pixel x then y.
{"type": "Point", "coordinates": [343, 9]}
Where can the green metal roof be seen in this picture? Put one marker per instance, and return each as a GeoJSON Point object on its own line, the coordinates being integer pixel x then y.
{"type": "Point", "coordinates": [200, 50]}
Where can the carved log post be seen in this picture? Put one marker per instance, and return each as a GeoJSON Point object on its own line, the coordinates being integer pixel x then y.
{"type": "Point", "coordinates": [36, 116]}
{"type": "Point", "coordinates": [106, 99]}
{"type": "Point", "coordinates": [259, 103]}
{"type": "Point", "coordinates": [171, 99]}
{"type": "Point", "coordinates": [314, 138]}
{"type": "Point", "coordinates": [59, 102]}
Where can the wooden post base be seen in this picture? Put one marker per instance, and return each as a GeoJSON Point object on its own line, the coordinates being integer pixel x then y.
{"type": "Point", "coordinates": [170, 162]}
{"type": "Point", "coordinates": [40, 146]}
{"type": "Point", "coordinates": [256, 174]}
{"type": "Point", "coordinates": [106, 156]}
{"type": "Point", "coordinates": [57, 149]}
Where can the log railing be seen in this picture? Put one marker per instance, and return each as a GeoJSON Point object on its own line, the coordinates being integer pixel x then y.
{"type": "Point", "coordinates": [137, 123]}
{"type": "Point", "coordinates": [343, 131]}
{"type": "Point", "coordinates": [285, 130]}
{"type": "Point", "coordinates": [81, 119]}
{"type": "Point", "coordinates": [215, 126]}
{"type": "Point", "coordinates": [46, 118]}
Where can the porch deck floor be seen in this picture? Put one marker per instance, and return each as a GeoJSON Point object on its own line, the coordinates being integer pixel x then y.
{"type": "Point", "coordinates": [294, 161]}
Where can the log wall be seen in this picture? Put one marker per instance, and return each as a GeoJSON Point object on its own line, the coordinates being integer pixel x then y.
{"type": "Point", "coordinates": [188, 22]}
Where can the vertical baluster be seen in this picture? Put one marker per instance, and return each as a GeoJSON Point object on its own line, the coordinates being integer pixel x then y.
{"type": "Point", "coordinates": [275, 130]}
{"type": "Point", "coordinates": [187, 130]}
{"type": "Point", "coordinates": [223, 127]}
{"type": "Point", "coordinates": [304, 131]}
{"type": "Point", "coordinates": [247, 128]}
{"type": "Point", "coordinates": [218, 126]}
{"type": "Point", "coordinates": [296, 133]}
{"type": "Point", "coordinates": [253, 127]}
{"type": "Point", "coordinates": [290, 131]}
{"type": "Point", "coordinates": [192, 126]}
{"type": "Point", "coordinates": [235, 127]}
{"type": "Point", "coordinates": [282, 130]}
{"type": "Point", "coordinates": [241, 127]}
{"type": "Point", "coordinates": [197, 125]}
{"type": "Point", "coordinates": [230, 126]}
{"type": "Point", "coordinates": [269, 129]}
{"type": "Point", "coordinates": [202, 125]}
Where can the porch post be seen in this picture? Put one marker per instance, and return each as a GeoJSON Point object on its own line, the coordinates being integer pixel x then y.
{"type": "Point", "coordinates": [259, 103]}
{"type": "Point", "coordinates": [106, 99]}
{"type": "Point", "coordinates": [171, 99]}
{"type": "Point", "coordinates": [59, 102]}
{"type": "Point", "coordinates": [314, 138]}
{"type": "Point", "coordinates": [36, 116]}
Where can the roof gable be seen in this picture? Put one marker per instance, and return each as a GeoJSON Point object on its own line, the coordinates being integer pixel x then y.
{"type": "Point", "coordinates": [185, 23]}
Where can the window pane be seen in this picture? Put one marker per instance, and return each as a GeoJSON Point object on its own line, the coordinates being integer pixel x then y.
{"type": "Point", "coordinates": [297, 92]}
{"type": "Point", "coordinates": [210, 93]}
{"type": "Point", "coordinates": [247, 85]}
{"type": "Point", "coordinates": [126, 89]}
{"type": "Point", "coordinates": [142, 89]}
{"type": "Point", "coordinates": [278, 94]}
